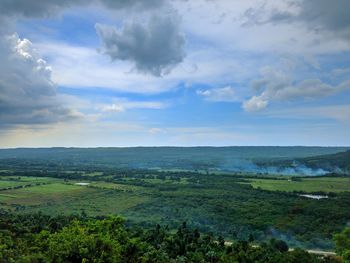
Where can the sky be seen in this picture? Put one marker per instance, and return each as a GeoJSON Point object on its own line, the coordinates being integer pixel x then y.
{"type": "Point", "coordinates": [103, 73]}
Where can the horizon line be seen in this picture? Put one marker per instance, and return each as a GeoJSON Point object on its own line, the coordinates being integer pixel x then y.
{"type": "Point", "coordinates": [169, 146]}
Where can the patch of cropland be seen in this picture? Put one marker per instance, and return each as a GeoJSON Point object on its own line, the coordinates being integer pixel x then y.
{"type": "Point", "coordinates": [234, 205]}
{"type": "Point", "coordinates": [322, 184]}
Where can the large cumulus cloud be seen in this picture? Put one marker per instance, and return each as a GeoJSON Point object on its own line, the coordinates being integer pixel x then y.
{"type": "Point", "coordinates": [27, 93]}
{"type": "Point", "coordinates": [154, 48]}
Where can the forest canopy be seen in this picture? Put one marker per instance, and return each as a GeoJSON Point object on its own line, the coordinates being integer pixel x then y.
{"type": "Point", "coordinates": [41, 238]}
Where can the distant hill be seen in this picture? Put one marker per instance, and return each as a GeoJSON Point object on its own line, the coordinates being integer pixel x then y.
{"type": "Point", "coordinates": [220, 158]}
{"type": "Point", "coordinates": [332, 162]}
{"type": "Point", "coordinates": [313, 165]}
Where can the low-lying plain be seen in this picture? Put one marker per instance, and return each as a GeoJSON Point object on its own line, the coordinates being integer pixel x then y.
{"type": "Point", "coordinates": [234, 206]}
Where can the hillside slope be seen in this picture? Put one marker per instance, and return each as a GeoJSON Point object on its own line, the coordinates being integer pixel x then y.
{"type": "Point", "coordinates": [338, 162]}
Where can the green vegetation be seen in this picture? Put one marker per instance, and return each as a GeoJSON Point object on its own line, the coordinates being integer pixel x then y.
{"type": "Point", "coordinates": [40, 238]}
{"type": "Point", "coordinates": [342, 243]}
{"type": "Point", "coordinates": [33, 195]}
{"type": "Point", "coordinates": [225, 204]}
{"type": "Point", "coordinates": [307, 185]}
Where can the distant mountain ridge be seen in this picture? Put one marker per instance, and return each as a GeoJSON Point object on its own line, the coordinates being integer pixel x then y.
{"type": "Point", "coordinates": [236, 151]}
{"type": "Point", "coordinates": [339, 160]}
{"type": "Point", "coordinates": [236, 158]}
{"type": "Point", "coordinates": [338, 163]}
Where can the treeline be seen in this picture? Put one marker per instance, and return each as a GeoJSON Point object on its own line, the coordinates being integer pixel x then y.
{"type": "Point", "coordinates": [41, 238]}
{"type": "Point", "coordinates": [20, 186]}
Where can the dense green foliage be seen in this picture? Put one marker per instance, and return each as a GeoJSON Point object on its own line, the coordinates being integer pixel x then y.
{"type": "Point", "coordinates": [39, 238]}
{"type": "Point", "coordinates": [342, 244]}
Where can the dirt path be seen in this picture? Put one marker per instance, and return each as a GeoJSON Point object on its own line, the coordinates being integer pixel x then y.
{"type": "Point", "coordinates": [319, 252]}
{"type": "Point", "coordinates": [311, 251]}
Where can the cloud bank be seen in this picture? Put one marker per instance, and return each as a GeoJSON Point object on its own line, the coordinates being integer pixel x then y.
{"type": "Point", "coordinates": [320, 16]}
{"type": "Point", "coordinates": [279, 86]}
{"type": "Point", "coordinates": [46, 8]}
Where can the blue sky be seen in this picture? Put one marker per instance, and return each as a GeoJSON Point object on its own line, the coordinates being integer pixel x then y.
{"type": "Point", "coordinates": [157, 72]}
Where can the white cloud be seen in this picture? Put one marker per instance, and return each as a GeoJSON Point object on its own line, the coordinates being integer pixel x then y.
{"type": "Point", "coordinates": [306, 89]}
{"type": "Point", "coordinates": [338, 72]}
{"type": "Point", "coordinates": [339, 113]}
{"type": "Point", "coordinates": [322, 16]}
{"type": "Point", "coordinates": [279, 86]}
{"type": "Point", "coordinates": [123, 104]}
{"type": "Point", "coordinates": [255, 104]}
{"type": "Point", "coordinates": [227, 94]}
{"type": "Point", "coordinates": [82, 67]}
{"type": "Point", "coordinates": [113, 108]}
{"type": "Point", "coordinates": [231, 35]}
{"type": "Point", "coordinates": [157, 131]}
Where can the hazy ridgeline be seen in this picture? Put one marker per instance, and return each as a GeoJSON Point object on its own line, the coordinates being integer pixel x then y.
{"type": "Point", "coordinates": [271, 160]}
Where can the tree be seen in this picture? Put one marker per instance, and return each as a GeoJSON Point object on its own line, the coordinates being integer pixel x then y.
{"type": "Point", "coordinates": [279, 245]}
{"type": "Point", "coordinates": [342, 244]}
{"type": "Point", "coordinates": [251, 238]}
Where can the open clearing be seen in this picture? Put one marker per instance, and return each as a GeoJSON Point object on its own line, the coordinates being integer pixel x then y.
{"type": "Point", "coordinates": [308, 185]}
{"type": "Point", "coordinates": [55, 196]}
{"type": "Point", "coordinates": [38, 194]}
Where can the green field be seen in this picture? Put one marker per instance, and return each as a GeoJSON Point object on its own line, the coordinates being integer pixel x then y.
{"type": "Point", "coordinates": [39, 194]}
{"type": "Point", "coordinates": [7, 183]}
{"type": "Point", "coordinates": [106, 185]}
{"type": "Point", "coordinates": [165, 181]}
{"type": "Point", "coordinates": [309, 185]}
{"type": "Point", "coordinates": [57, 196]}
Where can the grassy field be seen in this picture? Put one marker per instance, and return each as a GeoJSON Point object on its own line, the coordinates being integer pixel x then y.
{"type": "Point", "coordinates": [315, 184]}
{"type": "Point", "coordinates": [39, 194]}
{"type": "Point", "coordinates": [11, 182]}
{"type": "Point", "coordinates": [166, 181]}
{"type": "Point", "coordinates": [94, 202]}
{"type": "Point", "coordinates": [7, 184]}
{"type": "Point", "coordinates": [58, 197]}
{"type": "Point", "coordinates": [107, 185]}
